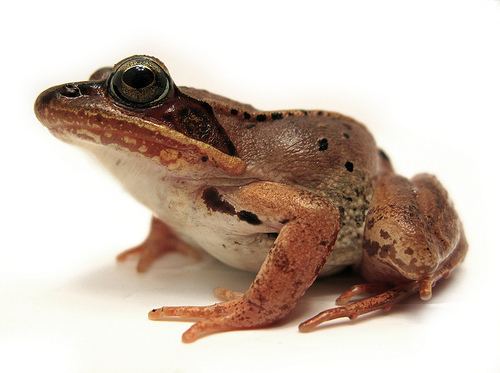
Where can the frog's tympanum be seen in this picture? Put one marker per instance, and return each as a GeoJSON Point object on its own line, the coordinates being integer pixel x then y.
{"type": "Point", "coordinates": [288, 194]}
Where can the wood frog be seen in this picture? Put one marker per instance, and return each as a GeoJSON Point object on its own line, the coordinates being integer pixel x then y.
{"type": "Point", "coordinates": [288, 194]}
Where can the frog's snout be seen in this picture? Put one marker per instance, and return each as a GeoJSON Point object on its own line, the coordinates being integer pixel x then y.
{"type": "Point", "coordinates": [48, 99]}
{"type": "Point", "coordinates": [66, 90]}
{"type": "Point", "coordinates": [52, 103]}
{"type": "Point", "coordinates": [43, 104]}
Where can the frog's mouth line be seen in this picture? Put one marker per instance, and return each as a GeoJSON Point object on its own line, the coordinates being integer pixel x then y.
{"type": "Point", "coordinates": [138, 135]}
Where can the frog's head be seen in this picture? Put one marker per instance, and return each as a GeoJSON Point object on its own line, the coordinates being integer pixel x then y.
{"type": "Point", "coordinates": [136, 107]}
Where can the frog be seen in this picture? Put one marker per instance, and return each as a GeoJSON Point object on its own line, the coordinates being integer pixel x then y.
{"type": "Point", "coordinates": [291, 195]}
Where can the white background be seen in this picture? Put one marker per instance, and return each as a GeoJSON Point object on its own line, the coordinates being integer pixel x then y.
{"type": "Point", "coordinates": [423, 75]}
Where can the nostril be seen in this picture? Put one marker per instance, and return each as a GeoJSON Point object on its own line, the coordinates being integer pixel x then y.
{"type": "Point", "coordinates": [70, 90]}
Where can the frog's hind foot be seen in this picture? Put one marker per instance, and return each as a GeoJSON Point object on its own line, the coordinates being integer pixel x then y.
{"type": "Point", "coordinates": [384, 300]}
{"type": "Point", "coordinates": [360, 289]}
{"type": "Point", "coordinates": [161, 240]}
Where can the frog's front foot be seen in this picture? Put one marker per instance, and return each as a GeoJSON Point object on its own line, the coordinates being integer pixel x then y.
{"type": "Point", "coordinates": [160, 241]}
{"type": "Point", "coordinates": [231, 315]}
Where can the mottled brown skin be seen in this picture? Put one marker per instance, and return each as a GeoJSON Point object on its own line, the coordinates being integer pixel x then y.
{"type": "Point", "coordinates": [314, 180]}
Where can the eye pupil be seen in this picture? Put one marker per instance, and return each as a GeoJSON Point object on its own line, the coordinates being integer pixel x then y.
{"type": "Point", "coordinates": [138, 77]}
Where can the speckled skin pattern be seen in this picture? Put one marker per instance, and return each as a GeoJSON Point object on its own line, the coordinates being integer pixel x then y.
{"type": "Point", "coordinates": [288, 194]}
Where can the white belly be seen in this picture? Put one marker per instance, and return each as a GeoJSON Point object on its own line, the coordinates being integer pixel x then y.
{"type": "Point", "coordinates": [177, 202]}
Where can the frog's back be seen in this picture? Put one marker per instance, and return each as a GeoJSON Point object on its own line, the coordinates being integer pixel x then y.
{"type": "Point", "coordinates": [319, 150]}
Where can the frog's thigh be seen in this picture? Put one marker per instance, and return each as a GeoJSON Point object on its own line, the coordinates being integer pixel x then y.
{"type": "Point", "coordinates": [309, 228]}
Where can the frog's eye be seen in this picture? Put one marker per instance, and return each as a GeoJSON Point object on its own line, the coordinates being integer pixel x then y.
{"type": "Point", "coordinates": [139, 81]}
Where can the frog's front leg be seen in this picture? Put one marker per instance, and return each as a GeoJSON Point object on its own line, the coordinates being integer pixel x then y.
{"type": "Point", "coordinates": [413, 238]}
{"type": "Point", "coordinates": [309, 226]}
{"type": "Point", "coordinates": [160, 240]}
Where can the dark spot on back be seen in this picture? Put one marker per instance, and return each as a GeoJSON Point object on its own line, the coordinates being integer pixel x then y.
{"type": "Point", "coordinates": [346, 135]}
{"type": "Point", "coordinates": [349, 166]}
{"type": "Point", "coordinates": [276, 116]}
{"type": "Point", "coordinates": [261, 117]}
{"type": "Point", "coordinates": [272, 235]}
{"type": "Point", "coordinates": [409, 251]}
{"type": "Point", "coordinates": [319, 113]}
{"type": "Point", "coordinates": [213, 200]}
{"type": "Point", "coordinates": [249, 217]}
{"type": "Point", "coordinates": [305, 112]}
{"type": "Point", "coordinates": [204, 158]}
{"type": "Point", "coordinates": [234, 112]}
{"type": "Point", "coordinates": [284, 221]}
{"type": "Point", "coordinates": [322, 144]}
{"type": "Point", "coordinates": [246, 115]}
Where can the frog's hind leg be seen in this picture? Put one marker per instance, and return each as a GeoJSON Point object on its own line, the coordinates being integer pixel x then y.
{"type": "Point", "coordinates": [412, 239]}
{"type": "Point", "coordinates": [385, 299]}
{"type": "Point", "coordinates": [160, 240]}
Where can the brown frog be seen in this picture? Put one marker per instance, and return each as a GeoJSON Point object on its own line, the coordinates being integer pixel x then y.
{"type": "Point", "coordinates": [289, 194]}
